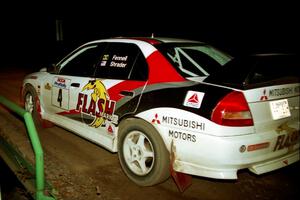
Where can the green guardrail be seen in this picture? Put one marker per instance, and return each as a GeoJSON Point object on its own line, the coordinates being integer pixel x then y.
{"type": "Point", "coordinates": [36, 145]}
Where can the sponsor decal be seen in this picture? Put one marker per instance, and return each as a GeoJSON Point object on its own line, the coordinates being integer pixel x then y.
{"type": "Point", "coordinates": [182, 136]}
{"type": "Point", "coordinates": [103, 63]}
{"type": "Point", "coordinates": [193, 99]}
{"type": "Point", "coordinates": [284, 91]}
{"type": "Point", "coordinates": [110, 129]}
{"type": "Point", "coordinates": [105, 57]}
{"type": "Point", "coordinates": [183, 123]}
{"type": "Point", "coordinates": [286, 141]}
{"type": "Point", "coordinates": [264, 97]}
{"type": "Point", "coordinates": [104, 60]}
{"type": "Point", "coordinates": [96, 105]}
{"type": "Point", "coordinates": [60, 83]}
{"type": "Point", "coordinates": [47, 86]}
{"type": "Point", "coordinates": [156, 120]}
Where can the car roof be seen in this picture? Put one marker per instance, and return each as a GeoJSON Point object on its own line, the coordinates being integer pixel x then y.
{"type": "Point", "coordinates": [167, 40]}
{"type": "Point", "coordinates": [150, 40]}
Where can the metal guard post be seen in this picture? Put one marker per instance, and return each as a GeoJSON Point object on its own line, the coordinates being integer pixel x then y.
{"type": "Point", "coordinates": [37, 148]}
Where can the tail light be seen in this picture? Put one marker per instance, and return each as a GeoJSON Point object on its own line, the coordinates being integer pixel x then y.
{"type": "Point", "coordinates": [232, 110]}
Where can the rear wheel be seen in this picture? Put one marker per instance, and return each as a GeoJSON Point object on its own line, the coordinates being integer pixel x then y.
{"type": "Point", "coordinates": [142, 153]}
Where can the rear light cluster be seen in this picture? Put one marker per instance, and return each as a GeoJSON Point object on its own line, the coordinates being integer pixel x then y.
{"type": "Point", "coordinates": [232, 110]}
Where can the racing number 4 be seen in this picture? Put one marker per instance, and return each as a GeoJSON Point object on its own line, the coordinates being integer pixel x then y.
{"type": "Point", "coordinates": [60, 98]}
{"type": "Point", "coordinates": [60, 93]}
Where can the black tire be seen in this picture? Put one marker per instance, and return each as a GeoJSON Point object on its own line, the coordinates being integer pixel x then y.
{"type": "Point", "coordinates": [142, 153]}
{"type": "Point", "coordinates": [30, 105]}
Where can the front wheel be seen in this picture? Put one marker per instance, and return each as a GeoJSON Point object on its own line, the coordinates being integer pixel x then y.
{"type": "Point", "coordinates": [142, 153]}
{"type": "Point", "coordinates": [32, 105]}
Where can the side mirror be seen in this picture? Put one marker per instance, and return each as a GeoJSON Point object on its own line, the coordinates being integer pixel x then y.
{"type": "Point", "coordinates": [53, 69]}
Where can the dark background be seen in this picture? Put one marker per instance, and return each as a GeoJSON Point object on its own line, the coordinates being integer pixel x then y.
{"type": "Point", "coordinates": [28, 31]}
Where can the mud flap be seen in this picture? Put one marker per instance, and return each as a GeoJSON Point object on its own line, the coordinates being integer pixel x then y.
{"type": "Point", "coordinates": [183, 181]}
{"type": "Point", "coordinates": [44, 123]}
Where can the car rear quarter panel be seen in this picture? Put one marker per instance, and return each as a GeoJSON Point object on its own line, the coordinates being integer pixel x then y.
{"type": "Point", "coordinates": [203, 147]}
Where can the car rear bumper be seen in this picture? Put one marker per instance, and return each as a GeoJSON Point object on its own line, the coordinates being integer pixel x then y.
{"type": "Point", "coordinates": [274, 164]}
{"type": "Point", "coordinates": [231, 173]}
{"type": "Point", "coordinates": [221, 158]}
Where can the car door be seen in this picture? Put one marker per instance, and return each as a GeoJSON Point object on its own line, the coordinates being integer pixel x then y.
{"type": "Point", "coordinates": [121, 75]}
{"type": "Point", "coordinates": [61, 90]}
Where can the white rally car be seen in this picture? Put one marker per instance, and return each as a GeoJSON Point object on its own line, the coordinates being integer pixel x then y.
{"type": "Point", "coordinates": [162, 102]}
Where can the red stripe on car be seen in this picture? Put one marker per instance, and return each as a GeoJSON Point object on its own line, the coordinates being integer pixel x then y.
{"type": "Point", "coordinates": [160, 70]}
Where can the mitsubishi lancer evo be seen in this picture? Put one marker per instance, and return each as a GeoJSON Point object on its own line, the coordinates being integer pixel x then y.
{"type": "Point", "coordinates": [166, 104]}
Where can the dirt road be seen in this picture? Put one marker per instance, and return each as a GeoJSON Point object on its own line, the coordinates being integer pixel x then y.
{"type": "Point", "coordinates": [80, 169]}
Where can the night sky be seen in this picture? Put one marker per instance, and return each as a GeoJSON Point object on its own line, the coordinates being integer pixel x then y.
{"type": "Point", "coordinates": [28, 32]}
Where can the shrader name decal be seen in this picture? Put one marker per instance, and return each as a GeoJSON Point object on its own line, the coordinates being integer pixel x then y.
{"type": "Point", "coordinates": [98, 105]}
{"type": "Point", "coordinates": [118, 61]}
{"type": "Point", "coordinates": [193, 99]}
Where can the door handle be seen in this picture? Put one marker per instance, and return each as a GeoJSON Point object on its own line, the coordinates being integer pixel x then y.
{"type": "Point", "coordinates": [75, 84]}
{"type": "Point", "coordinates": [127, 93]}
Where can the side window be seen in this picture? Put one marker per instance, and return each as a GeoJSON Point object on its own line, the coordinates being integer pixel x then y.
{"type": "Point", "coordinates": [83, 61]}
{"type": "Point", "coordinates": [122, 61]}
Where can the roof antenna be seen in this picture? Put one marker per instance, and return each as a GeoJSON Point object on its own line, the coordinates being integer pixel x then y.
{"type": "Point", "coordinates": [152, 35]}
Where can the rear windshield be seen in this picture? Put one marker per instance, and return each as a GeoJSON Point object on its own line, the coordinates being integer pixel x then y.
{"type": "Point", "coordinates": [253, 71]}
{"type": "Point", "coordinates": [193, 59]}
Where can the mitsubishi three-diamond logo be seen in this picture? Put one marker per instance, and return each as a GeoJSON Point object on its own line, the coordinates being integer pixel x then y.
{"type": "Point", "coordinates": [193, 99]}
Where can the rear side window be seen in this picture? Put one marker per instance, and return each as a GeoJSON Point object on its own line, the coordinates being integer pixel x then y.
{"type": "Point", "coordinates": [193, 59]}
{"type": "Point", "coordinates": [122, 61]}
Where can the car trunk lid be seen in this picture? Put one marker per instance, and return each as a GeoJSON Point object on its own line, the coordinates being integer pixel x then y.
{"type": "Point", "coordinates": [274, 106]}
{"type": "Point", "coordinates": [270, 84]}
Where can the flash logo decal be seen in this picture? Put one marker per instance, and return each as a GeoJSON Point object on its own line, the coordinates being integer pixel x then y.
{"type": "Point", "coordinates": [98, 105]}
